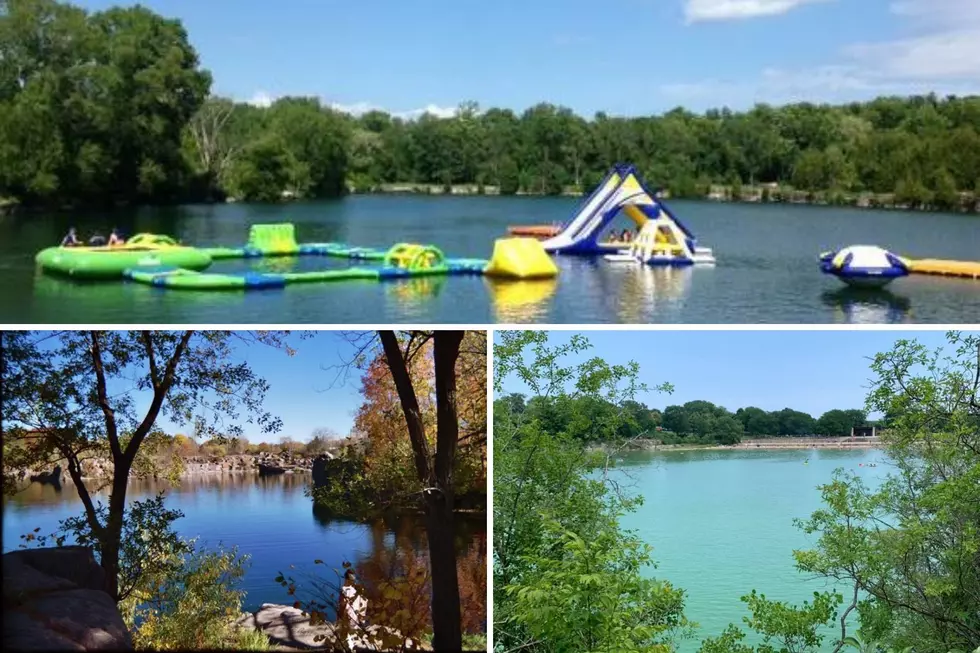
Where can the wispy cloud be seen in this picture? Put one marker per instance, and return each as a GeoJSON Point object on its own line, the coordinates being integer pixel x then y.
{"type": "Point", "coordinates": [261, 99]}
{"type": "Point", "coordinates": [705, 10]}
{"type": "Point", "coordinates": [943, 57]}
{"type": "Point", "coordinates": [360, 108]}
{"type": "Point", "coordinates": [264, 99]}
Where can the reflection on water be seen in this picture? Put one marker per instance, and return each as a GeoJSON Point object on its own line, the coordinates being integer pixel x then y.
{"type": "Point", "coordinates": [409, 291]}
{"type": "Point", "coordinates": [646, 289]}
{"type": "Point", "coordinates": [520, 301]}
{"type": "Point", "coordinates": [868, 305]}
{"type": "Point", "coordinates": [269, 518]}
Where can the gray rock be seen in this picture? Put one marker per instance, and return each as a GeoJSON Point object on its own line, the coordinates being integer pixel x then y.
{"type": "Point", "coordinates": [73, 564]}
{"type": "Point", "coordinates": [53, 477]}
{"type": "Point", "coordinates": [288, 626]}
{"type": "Point", "coordinates": [54, 599]}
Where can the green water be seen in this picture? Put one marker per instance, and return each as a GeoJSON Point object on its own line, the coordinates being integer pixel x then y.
{"type": "Point", "coordinates": [721, 524]}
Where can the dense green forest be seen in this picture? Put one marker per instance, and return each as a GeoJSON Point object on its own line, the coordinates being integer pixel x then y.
{"type": "Point", "coordinates": [114, 107]}
{"type": "Point", "coordinates": [587, 419]}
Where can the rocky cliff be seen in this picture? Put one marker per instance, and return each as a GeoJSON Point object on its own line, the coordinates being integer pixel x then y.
{"type": "Point", "coordinates": [100, 468]}
{"type": "Point", "coordinates": [53, 599]}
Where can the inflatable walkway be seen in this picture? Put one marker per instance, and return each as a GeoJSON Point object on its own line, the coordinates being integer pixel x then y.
{"type": "Point", "coordinates": [160, 261]}
{"type": "Point", "coordinates": [621, 191]}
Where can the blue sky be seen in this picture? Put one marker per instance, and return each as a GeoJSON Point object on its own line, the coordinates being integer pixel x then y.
{"type": "Point", "coordinates": [812, 371]}
{"type": "Point", "coordinates": [305, 389]}
{"type": "Point", "coordinates": [625, 57]}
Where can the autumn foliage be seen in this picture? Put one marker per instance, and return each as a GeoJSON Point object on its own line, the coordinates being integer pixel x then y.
{"type": "Point", "coordinates": [388, 466]}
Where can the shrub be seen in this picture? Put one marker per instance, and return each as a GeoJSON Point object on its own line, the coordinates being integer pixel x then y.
{"type": "Point", "coordinates": [193, 607]}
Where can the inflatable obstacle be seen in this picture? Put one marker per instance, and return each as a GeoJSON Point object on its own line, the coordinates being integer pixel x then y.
{"type": "Point", "coordinates": [520, 258]}
{"type": "Point", "coordinates": [621, 192]}
{"type": "Point", "coordinates": [158, 261]}
{"type": "Point", "coordinates": [864, 266]}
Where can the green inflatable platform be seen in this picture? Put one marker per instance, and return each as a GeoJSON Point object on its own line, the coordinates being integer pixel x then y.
{"type": "Point", "coordinates": [113, 262]}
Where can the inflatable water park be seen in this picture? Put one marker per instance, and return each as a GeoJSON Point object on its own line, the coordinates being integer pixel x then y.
{"type": "Point", "coordinates": [662, 239]}
{"type": "Point", "coordinates": [162, 262]}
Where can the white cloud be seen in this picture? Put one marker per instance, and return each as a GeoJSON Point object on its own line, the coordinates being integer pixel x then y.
{"type": "Point", "coordinates": [705, 10]}
{"type": "Point", "coordinates": [264, 99]}
{"type": "Point", "coordinates": [943, 56]}
{"type": "Point", "coordinates": [355, 109]}
{"type": "Point", "coordinates": [261, 99]}
{"type": "Point", "coordinates": [943, 12]}
{"type": "Point", "coordinates": [360, 108]}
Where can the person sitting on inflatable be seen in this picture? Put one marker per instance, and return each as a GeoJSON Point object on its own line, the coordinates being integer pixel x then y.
{"type": "Point", "coordinates": [626, 236]}
{"type": "Point", "coordinates": [70, 239]}
{"type": "Point", "coordinates": [115, 239]}
{"type": "Point", "coordinates": [97, 240]}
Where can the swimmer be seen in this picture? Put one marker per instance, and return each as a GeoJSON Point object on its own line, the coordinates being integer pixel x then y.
{"type": "Point", "coordinates": [70, 239]}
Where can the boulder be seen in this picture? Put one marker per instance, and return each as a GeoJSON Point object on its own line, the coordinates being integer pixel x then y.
{"type": "Point", "coordinates": [54, 599]}
{"type": "Point", "coordinates": [53, 477]}
{"type": "Point", "coordinates": [290, 627]}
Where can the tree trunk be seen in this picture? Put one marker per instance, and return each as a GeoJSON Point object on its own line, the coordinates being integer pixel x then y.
{"type": "Point", "coordinates": [113, 529]}
{"type": "Point", "coordinates": [446, 626]}
{"type": "Point", "coordinates": [436, 477]}
{"type": "Point", "coordinates": [440, 529]}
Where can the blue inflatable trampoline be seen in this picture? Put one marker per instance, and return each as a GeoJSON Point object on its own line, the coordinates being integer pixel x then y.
{"type": "Point", "coordinates": [864, 266]}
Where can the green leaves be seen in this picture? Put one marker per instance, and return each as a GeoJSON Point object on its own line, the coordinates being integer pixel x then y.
{"type": "Point", "coordinates": [565, 574]}
{"type": "Point", "coordinates": [911, 545]}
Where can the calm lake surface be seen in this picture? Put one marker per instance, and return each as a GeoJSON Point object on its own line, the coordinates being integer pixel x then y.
{"type": "Point", "coordinates": [267, 517]}
{"type": "Point", "coordinates": [721, 524]}
{"type": "Point", "coordinates": [766, 272]}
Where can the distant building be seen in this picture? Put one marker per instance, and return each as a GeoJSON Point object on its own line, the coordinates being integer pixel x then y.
{"type": "Point", "coordinates": [864, 431]}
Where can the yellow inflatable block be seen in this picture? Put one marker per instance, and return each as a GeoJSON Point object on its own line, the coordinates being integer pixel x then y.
{"type": "Point", "coordinates": [520, 258]}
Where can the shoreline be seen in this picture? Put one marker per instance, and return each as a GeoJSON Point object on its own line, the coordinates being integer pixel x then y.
{"type": "Point", "coordinates": [765, 194]}
{"type": "Point", "coordinates": [722, 194]}
{"type": "Point", "coordinates": [100, 469]}
{"type": "Point", "coordinates": [765, 444]}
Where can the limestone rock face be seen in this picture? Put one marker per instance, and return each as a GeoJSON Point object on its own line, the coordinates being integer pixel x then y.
{"type": "Point", "coordinates": [54, 599]}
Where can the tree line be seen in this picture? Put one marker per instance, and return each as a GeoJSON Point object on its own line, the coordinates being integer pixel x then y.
{"type": "Point", "coordinates": [586, 419]}
{"type": "Point", "coordinates": [113, 107]}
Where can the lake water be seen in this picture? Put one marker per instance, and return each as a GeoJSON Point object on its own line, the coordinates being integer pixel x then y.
{"type": "Point", "coordinates": [721, 524]}
{"type": "Point", "coordinates": [267, 517]}
{"type": "Point", "coordinates": [766, 273]}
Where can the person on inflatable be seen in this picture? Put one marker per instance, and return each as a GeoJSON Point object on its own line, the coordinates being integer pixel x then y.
{"type": "Point", "coordinates": [115, 239]}
{"type": "Point", "coordinates": [97, 240]}
{"type": "Point", "coordinates": [70, 239]}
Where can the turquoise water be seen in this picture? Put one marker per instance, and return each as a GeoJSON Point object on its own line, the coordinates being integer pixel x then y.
{"type": "Point", "coordinates": [767, 270]}
{"type": "Point", "coordinates": [268, 518]}
{"type": "Point", "coordinates": [721, 523]}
